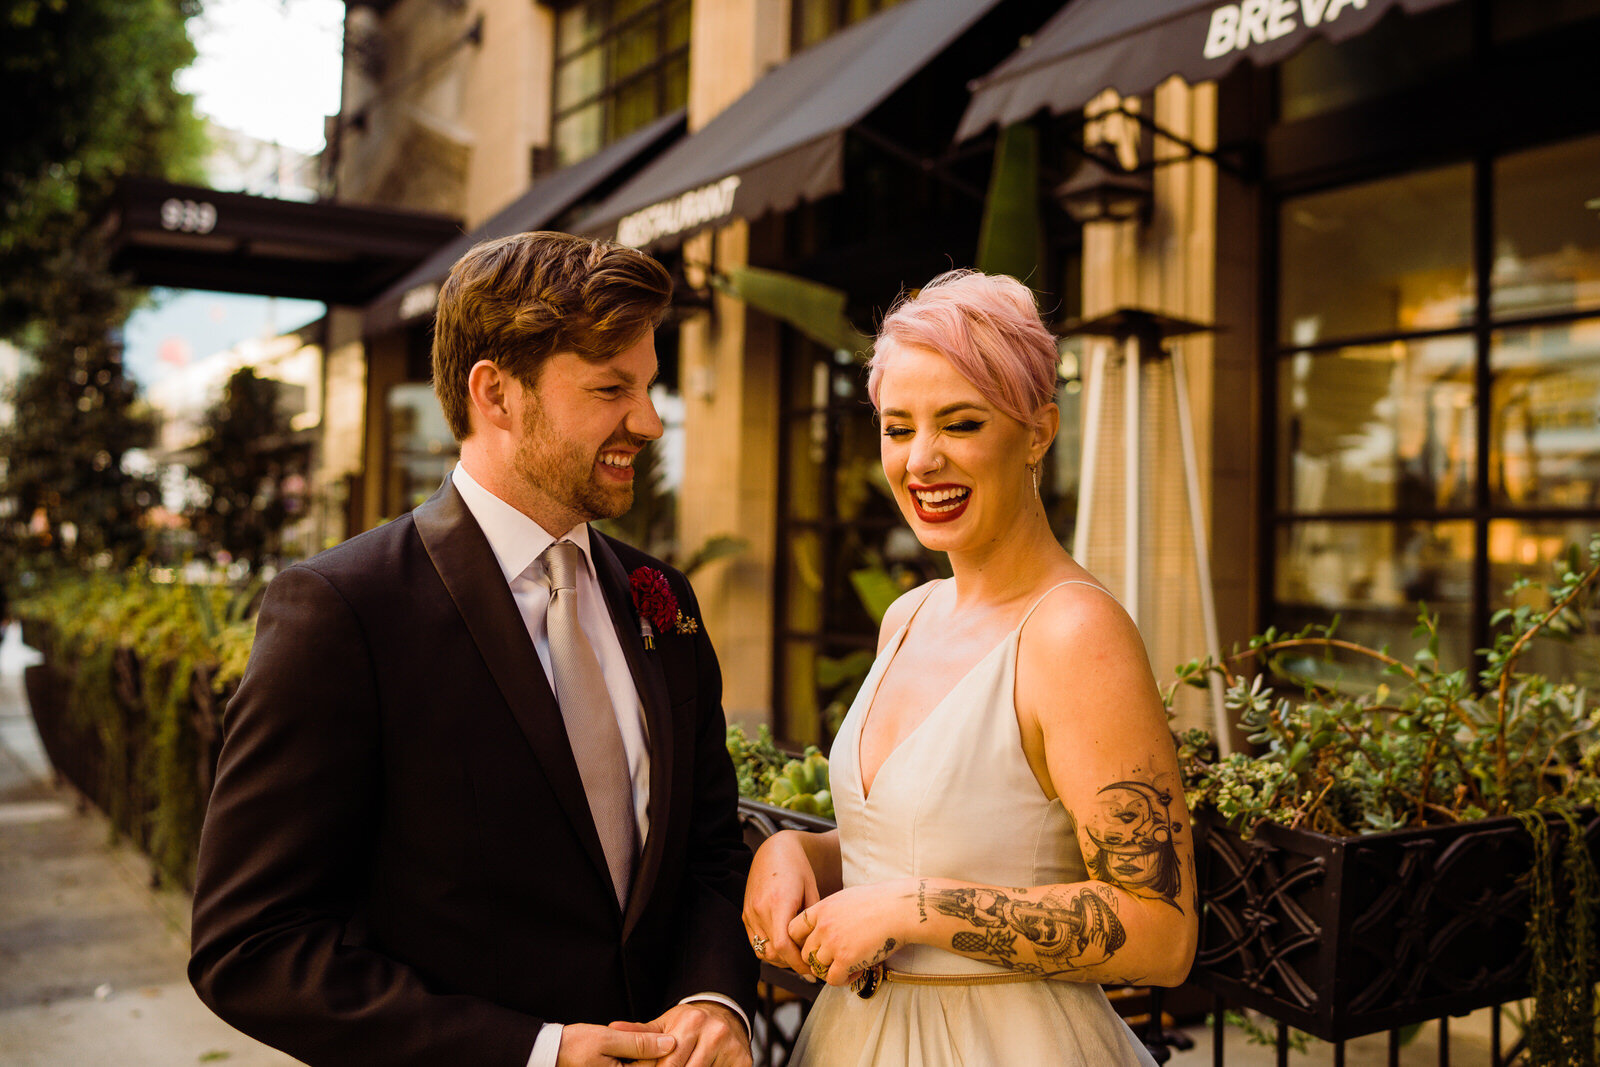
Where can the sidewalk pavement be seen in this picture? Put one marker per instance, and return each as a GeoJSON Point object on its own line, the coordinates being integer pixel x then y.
{"type": "Point", "coordinates": [92, 959]}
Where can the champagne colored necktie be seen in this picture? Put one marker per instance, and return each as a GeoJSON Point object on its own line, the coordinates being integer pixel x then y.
{"type": "Point", "coordinates": [591, 722]}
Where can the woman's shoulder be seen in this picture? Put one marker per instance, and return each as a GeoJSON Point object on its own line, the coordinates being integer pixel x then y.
{"type": "Point", "coordinates": [899, 613]}
{"type": "Point", "coordinates": [1082, 667]}
{"type": "Point", "coordinates": [1078, 618]}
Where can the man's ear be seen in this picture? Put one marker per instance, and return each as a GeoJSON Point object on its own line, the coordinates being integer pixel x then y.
{"type": "Point", "coordinates": [488, 390]}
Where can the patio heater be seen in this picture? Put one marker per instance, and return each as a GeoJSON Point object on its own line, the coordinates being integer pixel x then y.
{"type": "Point", "coordinates": [1141, 337]}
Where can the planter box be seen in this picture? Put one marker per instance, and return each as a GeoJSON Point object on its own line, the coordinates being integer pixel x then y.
{"type": "Point", "coordinates": [112, 754]}
{"type": "Point", "coordinates": [36, 634]}
{"type": "Point", "coordinates": [75, 753]}
{"type": "Point", "coordinates": [1347, 936]}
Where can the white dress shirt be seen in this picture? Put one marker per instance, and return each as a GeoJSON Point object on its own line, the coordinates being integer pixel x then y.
{"type": "Point", "coordinates": [517, 542]}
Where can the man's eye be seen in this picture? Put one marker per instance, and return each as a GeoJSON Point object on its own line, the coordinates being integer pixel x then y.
{"type": "Point", "coordinates": [610, 390]}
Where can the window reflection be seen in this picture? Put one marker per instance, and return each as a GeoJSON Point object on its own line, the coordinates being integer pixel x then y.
{"type": "Point", "coordinates": [1382, 257]}
{"type": "Point", "coordinates": [1373, 575]}
{"type": "Point", "coordinates": [1379, 424]}
{"type": "Point", "coordinates": [580, 24]}
{"type": "Point", "coordinates": [1379, 427]}
{"type": "Point", "coordinates": [1547, 229]}
{"type": "Point", "coordinates": [578, 134]}
{"type": "Point", "coordinates": [421, 448]}
{"type": "Point", "coordinates": [815, 20]}
{"type": "Point", "coordinates": [619, 65]}
{"type": "Point", "coordinates": [1546, 415]}
{"type": "Point", "coordinates": [581, 75]}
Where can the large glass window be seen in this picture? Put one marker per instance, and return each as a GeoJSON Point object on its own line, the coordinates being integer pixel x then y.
{"type": "Point", "coordinates": [1388, 427]}
{"type": "Point", "coordinates": [842, 536]}
{"type": "Point", "coordinates": [1372, 574]}
{"type": "Point", "coordinates": [815, 20]}
{"type": "Point", "coordinates": [1384, 257]}
{"type": "Point", "coordinates": [1547, 230]}
{"type": "Point", "coordinates": [619, 64]}
{"type": "Point", "coordinates": [1436, 437]}
{"type": "Point", "coordinates": [422, 449]}
{"type": "Point", "coordinates": [1545, 419]}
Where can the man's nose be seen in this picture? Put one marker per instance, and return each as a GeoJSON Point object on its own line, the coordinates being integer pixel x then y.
{"type": "Point", "coordinates": [643, 421]}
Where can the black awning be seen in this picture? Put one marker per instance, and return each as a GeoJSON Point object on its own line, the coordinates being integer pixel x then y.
{"type": "Point", "coordinates": [412, 297]}
{"type": "Point", "coordinates": [1134, 45]}
{"type": "Point", "coordinates": [196, 238]}
{"type": "Point", "coordinates": [783, 141]}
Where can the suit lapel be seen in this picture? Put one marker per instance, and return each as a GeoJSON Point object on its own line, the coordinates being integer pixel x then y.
{"type": "Point", "coordinates": [651, 684]}
{"type": "Point", "coordinates": [466, 563]}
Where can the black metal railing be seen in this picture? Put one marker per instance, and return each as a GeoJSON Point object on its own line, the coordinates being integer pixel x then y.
{"type": "Point", "coordinates": [1338, 937]}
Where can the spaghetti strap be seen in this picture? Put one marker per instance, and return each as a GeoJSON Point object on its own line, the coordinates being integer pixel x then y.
{"type": "Point", "coordinates": [925, 598]}
{"type": "Point", "coordinates": [1053, 588]}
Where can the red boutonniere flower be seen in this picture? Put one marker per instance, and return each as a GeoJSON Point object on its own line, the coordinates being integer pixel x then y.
{"type": "Point", "coordinates": [653, 599]}
{"type": "Point", "coordinates": [657, 606]}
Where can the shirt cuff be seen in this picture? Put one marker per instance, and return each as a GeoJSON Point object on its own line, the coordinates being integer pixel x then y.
{"type": "Point", "coordinates": [546, 1047]}
{"type": "Point", "coordinates": [718, 998]}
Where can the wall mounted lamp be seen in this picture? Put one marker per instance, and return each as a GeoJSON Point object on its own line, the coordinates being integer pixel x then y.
{"type": "Point", "coordinates": [1100, 191]}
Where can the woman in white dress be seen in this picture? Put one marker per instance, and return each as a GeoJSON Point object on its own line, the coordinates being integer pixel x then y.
{"type": "Point", "coordinates": [1012, 830]}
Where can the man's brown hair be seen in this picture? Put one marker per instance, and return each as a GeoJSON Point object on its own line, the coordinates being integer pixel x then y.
{"type": "Point", "coordinates": [518, 300]}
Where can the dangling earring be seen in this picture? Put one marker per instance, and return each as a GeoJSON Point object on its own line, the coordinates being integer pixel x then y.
{"type": "Point", "coordinates": [1033, 468]}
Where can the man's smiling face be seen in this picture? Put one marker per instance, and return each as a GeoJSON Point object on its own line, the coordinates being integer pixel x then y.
{"type": "Point", "coordinates": [582, 422]}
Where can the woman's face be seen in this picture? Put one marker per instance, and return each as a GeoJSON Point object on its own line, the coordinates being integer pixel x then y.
{"type": "Point", "coordinates": [957, 464]}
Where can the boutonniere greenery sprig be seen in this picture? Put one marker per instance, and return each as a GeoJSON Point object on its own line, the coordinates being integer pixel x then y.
{"type": "Point", "coordinates": [657, 606]}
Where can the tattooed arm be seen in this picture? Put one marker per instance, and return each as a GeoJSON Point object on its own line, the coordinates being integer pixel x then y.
{"type": "Point", "coordinates": [1071, 931]}
{"type": "Point", "coordinates": [1092, 931]}
{"type": "Point", "coordinates": [1095, 734]}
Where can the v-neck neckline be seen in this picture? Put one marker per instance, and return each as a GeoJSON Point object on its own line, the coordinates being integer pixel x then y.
{"type": "Point", "coordinates": [899, 641]}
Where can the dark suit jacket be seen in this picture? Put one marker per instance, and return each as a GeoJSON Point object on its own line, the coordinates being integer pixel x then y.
{"type": "Point", "coordinates": [398, 865]}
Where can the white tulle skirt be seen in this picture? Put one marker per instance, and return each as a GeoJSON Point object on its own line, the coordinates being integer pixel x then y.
{"type": "Point", "coordinates": [1069, 1024]}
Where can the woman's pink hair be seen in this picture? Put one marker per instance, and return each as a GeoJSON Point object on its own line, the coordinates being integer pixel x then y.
{"type": "Point", "coordinates": [989, 329]}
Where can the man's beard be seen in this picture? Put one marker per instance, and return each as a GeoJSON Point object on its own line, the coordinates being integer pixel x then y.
{"type": "Point", "coordinates": [561, 471]}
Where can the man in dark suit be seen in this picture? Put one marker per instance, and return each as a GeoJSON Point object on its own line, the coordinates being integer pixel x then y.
{"type": "Point", "coordinates": [473, 805]}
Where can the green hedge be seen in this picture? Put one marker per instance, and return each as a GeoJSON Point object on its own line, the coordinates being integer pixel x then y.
{"type": "Point", "coordinates": [137, 668]}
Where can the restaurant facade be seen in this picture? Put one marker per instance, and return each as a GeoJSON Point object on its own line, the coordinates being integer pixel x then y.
{"type": "Point", "coordinates": [1327, 275]}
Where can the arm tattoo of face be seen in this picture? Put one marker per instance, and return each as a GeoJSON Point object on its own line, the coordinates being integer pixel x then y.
{"type": "Point", "coordinates": [1066, 930]}
{"type": "Point", "coordinates": [1133, 834]}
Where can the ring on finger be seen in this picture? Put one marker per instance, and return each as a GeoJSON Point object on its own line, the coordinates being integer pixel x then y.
{"type": "Point", "coordinates": [818, 968]}
{"type": "Point", "coordinates": [760, 945]}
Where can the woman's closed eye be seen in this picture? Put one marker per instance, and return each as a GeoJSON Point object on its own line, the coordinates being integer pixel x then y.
{"type": "Point", "coordinates": [964, 426]}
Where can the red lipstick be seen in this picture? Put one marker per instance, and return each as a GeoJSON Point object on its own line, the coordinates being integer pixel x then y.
{"type": "Point", "coordinates": [943, 510]}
